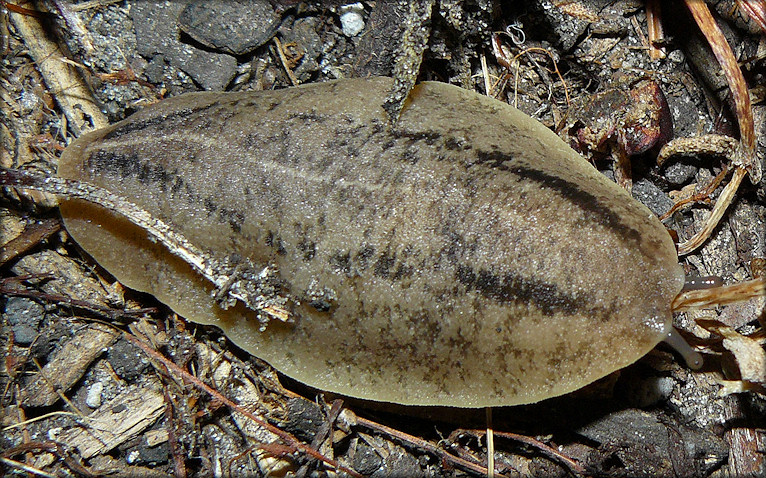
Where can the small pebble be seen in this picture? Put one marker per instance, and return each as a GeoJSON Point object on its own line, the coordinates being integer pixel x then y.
{"type": "Point", "coordinates": [132, 457]}
{"type": "Point", "coordinates": [351, 19]}
{"type": "Point", "coordinates": [93, 398]}
{"type": "Point", "coordinates": [53, 433]}
{"type": "Point", "coordinates": [680, 173]}
{"type": "Point", "coordinates": [24, 316]}
{"type": "Point", "coordinates": [652, 196]}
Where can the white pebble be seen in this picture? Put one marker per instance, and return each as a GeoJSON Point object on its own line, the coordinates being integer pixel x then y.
{"type": "Point", "coordinates": [93, 398]}
{"type": "Point", "coordinates": [132, 457]}
{"type": "Point", "coordinates": [351, 19]}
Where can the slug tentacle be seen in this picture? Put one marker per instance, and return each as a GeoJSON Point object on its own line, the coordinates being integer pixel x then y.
{"type": "Point", "coordinates": [692, 358]}
{"type": "Point", "coordinates": [698, 283]}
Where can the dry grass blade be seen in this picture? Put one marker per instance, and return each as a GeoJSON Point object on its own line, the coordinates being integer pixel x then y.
{"type": "Point", "coordinates": [756, 10]}
{"type": "Point", "coordinates": [734, 78]}
{"type": "Point", "coordinates": [46, 446]}
{"type": "Point", "coordinates": [24, 467]}
{"type": "Point", "coordinates": [424, 445]}
{"type": "Point", "coordinates": [745, 158]}
{"type": "Point", "coordinates": [655, 29]}
{"type": "Point", "coordinates": [704, 195]}
{"type": "Point", "coordinates": [574, 467]}
{"type": "Point", "coordinates": [727, 195]}
{"type": "Point", "coordinates": [23, 11]}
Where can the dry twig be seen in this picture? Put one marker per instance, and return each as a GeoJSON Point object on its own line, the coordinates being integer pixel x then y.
{"type": "Point", "coordinates": [287, 437]}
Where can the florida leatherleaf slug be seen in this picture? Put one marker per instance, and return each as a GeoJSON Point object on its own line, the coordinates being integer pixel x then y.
{"type": "Point", "coordinates": [465, 256]}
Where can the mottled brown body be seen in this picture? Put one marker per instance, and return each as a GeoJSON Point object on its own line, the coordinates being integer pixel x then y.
{"type": "Point", "coordinates": [465, 257]}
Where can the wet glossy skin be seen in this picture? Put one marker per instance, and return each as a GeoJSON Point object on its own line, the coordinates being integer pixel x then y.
{"type": "Point", "coordinates": [465, 257]}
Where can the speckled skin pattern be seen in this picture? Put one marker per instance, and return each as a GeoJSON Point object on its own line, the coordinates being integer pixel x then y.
{"type": "Point", "coordinates": [465, 256]}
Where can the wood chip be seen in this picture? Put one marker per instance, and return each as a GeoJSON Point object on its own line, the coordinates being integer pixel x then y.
{"type": "Point", "coordinates": [71, 279]}
{"type": "Point", "coordinates": [156, 437]}
{"type": "Point", "coordinates": [72, 94]}
{"type": "Point", "coordinates": [68, 365]}
{"type": "Point", "coordinates": [117, 421]}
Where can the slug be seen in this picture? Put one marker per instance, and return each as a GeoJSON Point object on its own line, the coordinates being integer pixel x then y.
{"type": "Point", "coordinates": [464, 256]}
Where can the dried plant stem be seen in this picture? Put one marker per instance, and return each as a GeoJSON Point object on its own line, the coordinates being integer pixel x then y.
{"type": "Point", "coordinates": [718, 296]}
{"type": "Point", "coordinates": [287, 437]}
{"type": "Point", "coordinates": [233, 279]}
{"type": "Point", "coordinates": [736, 81]}
{"type": "Point", "coordinates": [727, 195]}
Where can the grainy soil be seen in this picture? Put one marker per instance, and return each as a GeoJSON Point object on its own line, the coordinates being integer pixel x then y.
{"type": "Point", "coordinates": [82, 391]}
